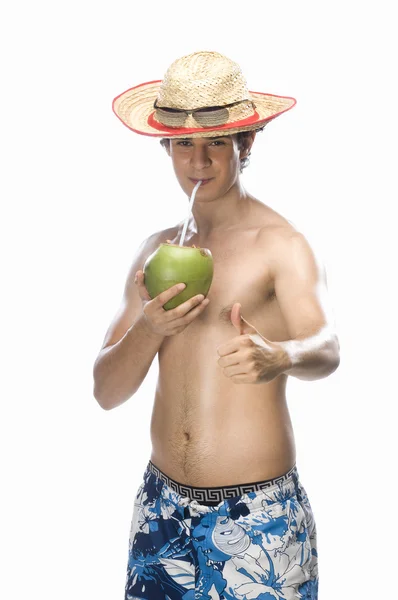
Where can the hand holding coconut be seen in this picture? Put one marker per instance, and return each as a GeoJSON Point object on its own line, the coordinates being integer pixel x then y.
{"type": "Point", "coordinates": [171, 306]}
{"type": "Point", "coordinates": [162, 322]}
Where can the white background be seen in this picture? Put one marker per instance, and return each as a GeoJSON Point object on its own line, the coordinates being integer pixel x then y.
{"type": "Point", "coordinates": [80, 192]}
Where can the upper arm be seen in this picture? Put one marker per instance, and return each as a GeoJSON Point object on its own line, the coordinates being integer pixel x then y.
{"type": "Point", "coordinates": [131, 304]}
{"type": "Point", "coordinates": [300, 286]}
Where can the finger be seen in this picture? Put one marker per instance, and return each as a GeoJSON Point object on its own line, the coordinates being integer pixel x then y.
{"type": "Point", "coordinates": [167, 295]}
{"type": "Point", "coordinates": [139, 281]}
{"type": "Point", "coordinates": [242, 379]}
{"type": "Point", "coordinates": [229, 360]}
{"type": "Point", "coordinates": [191, 315]}
{"type": "Point", "coordinates": [183, 309]}
{"type": "Point", "coordinates": [236, 317]}
{"type": "Point", "coordinates": [238, 369]}
{"type": "Point", "coordinates": [229, 347]}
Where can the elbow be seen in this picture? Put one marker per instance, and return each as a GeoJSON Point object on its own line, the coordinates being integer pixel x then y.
{"type": "Point", "coordinates": [332, 363]}
{"type": "Point", "coordinates": [110, 392]}
{"type": "Point", "coordinates": [336, 354]}
{"type": "Point", "coordinates": [105, 399]}
{"type": "Point", "coordinates": [332, 356]}
{"type": "Point", "coordinates": [110, 401]}
{"type": "Point", "coordinates": [99, 394]}
{"type": "Point", "coordinates": [336, 363]}
{"type": "Point", "coordinates": [105, 405]}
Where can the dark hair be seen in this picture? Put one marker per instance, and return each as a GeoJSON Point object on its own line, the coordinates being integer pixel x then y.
{"type": "Point", "coordinates": [242, 136]}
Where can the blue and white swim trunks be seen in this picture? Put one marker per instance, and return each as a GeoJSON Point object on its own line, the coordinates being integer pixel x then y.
{"type": "Point", "coordinates": [254, 541]}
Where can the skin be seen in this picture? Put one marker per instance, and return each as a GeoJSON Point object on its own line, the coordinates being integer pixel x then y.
{"type": "Point", "coordinates": [220, 415]}
{"type": "Point", "coordinates": [218, 419]}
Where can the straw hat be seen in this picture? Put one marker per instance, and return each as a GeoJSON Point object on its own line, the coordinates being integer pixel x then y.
{"type": "Point", "coordinates": [202, 80]}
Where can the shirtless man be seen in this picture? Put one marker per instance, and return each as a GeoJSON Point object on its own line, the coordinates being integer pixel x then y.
{"type": "Point", "coordinates": [222, 439]}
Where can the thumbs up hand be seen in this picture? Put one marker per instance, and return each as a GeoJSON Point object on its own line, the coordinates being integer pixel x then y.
{"type": "Point", "coordinates": [250, 357]}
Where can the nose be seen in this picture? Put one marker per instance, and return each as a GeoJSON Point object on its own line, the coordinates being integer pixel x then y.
{"type": "Point", "coordinates": [200, 158]}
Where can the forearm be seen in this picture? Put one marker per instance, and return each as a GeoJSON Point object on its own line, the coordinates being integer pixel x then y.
{"type": "Point", "coordinates": [312, 357]}
{"type": "Point", "coordinates": [120, 369]}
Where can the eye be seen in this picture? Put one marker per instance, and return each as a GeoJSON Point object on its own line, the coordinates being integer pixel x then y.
{"type": "Point", "coordinates": [219, 142]}
{"type": "Point", "coordinates": [183, 142]}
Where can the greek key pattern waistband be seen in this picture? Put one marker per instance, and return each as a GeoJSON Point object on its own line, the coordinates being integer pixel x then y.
{"type": "Point", "coordinates": [217, 494]}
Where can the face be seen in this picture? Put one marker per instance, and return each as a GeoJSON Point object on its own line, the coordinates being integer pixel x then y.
{"type": "Point", "coordinates": [215, 160]}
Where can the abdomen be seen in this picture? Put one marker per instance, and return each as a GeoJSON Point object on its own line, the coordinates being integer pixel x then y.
{"type": "Point", "coordinates": [207, 430]}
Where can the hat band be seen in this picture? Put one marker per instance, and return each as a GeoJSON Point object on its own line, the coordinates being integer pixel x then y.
{"type": "Point", "coordinates": [248, 123]}
{"type": "Point", "coordinates": [212, 116]}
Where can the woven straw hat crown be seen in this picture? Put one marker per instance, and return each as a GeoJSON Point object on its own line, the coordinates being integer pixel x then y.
{"type": "Point", "coordinates": [202, 79]}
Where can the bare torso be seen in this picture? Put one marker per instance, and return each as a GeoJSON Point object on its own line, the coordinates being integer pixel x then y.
{"type": "Point", "coordinates": [207, 430]}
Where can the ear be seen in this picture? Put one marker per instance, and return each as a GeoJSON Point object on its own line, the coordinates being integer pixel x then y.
{"type": "Point", "coordinates": [247, 143]}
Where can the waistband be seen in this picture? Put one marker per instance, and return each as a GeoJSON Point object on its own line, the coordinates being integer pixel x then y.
{"type": "Point", "coordinates": [215, 495]}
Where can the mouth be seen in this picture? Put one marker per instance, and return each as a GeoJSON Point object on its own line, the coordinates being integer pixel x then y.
{"type": "Point", "coordinates": [204, 181]}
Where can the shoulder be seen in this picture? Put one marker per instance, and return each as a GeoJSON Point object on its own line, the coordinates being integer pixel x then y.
{"type": "Point", "coordinates": [272, 224]}
{"type": "Point", "coordinates": [286, 245]}
{"type": "Point", "coordinates": [158, 237]}
{"type": "Point", "coordinates": [277, 232]}
{"type": "Point", "coordinates": [145, 248]}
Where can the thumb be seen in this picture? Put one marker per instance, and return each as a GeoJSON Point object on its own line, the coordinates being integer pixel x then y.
{"type": "Point", "coordinates": [139, 281]}
{"type": "Point", "coordinates": [241, 325]}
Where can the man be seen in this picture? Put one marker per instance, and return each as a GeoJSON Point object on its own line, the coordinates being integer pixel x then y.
{"type": "Point", "coordinates": [221, 512]}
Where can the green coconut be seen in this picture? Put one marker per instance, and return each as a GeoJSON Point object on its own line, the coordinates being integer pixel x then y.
{"type": "Point", "coordinates": [171, 264]}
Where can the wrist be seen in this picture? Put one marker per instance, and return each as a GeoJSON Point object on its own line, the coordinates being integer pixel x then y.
{"type": "Point", "coordinates": [148, 331]}
{"type": "Point", "coordinates": [289, 357]}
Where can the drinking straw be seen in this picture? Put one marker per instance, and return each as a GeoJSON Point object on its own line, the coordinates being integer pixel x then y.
{"type": "Point", "coordinates": [195, 189]}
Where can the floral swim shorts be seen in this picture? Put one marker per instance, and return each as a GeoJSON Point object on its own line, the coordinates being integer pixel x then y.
{"type": "Point", "coordinates": [254, 541]}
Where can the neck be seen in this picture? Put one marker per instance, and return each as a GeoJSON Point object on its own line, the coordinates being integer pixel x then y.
{"type": "Point", "coordinates": [222, 214]}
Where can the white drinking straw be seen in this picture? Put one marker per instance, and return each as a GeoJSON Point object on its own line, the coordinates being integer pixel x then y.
{"type": "Point", "coordinates": [195, 189]}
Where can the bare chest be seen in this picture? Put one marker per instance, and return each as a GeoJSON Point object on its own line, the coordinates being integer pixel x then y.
{"type": "Point", "coordinates": [242, 274]}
